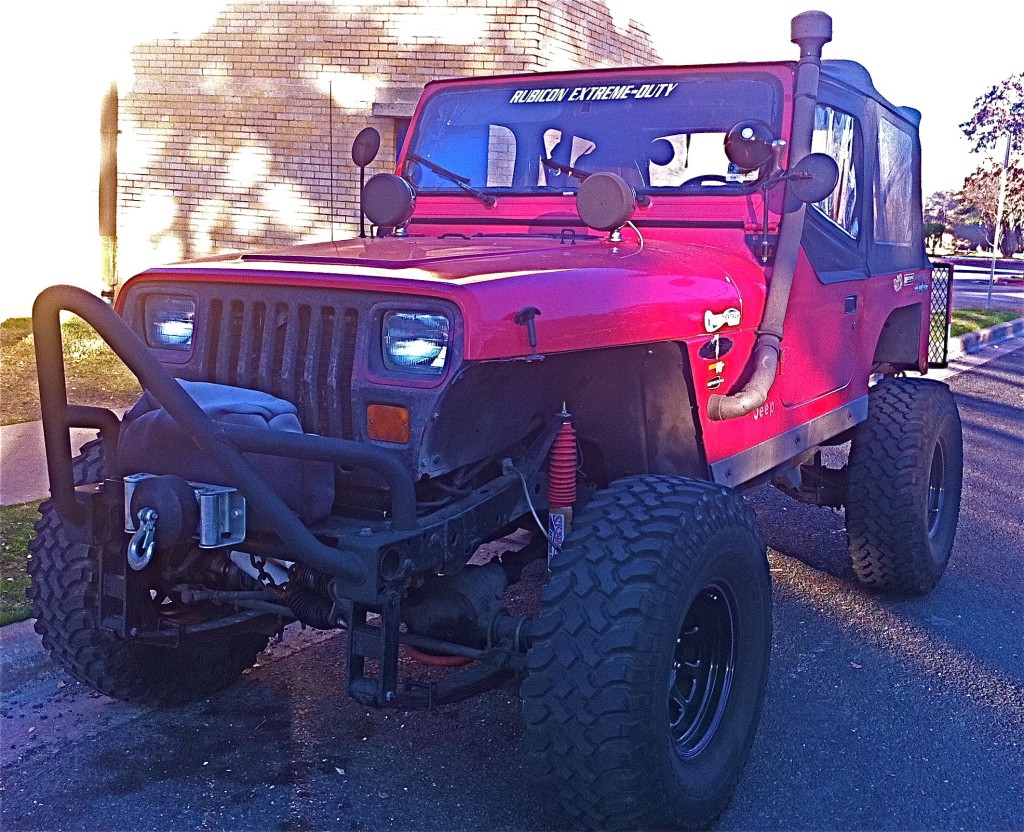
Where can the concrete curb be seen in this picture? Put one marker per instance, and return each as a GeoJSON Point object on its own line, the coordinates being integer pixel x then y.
{"type": "Point", "coordinates": [979, 339]}
{"type": "Point", "coordinates": [22, 657]}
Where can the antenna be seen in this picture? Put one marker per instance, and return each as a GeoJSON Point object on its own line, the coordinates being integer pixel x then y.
{"type": "Point", "coordinates": [330, 146]}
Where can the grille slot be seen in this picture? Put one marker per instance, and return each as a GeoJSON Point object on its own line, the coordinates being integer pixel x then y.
{"type": "Point", "coordinates": [297, 351]}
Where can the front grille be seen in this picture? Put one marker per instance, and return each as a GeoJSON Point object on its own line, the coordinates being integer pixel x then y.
{"type": "Point", "coordinates": [299, 351]}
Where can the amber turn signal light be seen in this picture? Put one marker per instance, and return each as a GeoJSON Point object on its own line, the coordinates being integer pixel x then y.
{"type": "Point", "coordinates": [387, 423]}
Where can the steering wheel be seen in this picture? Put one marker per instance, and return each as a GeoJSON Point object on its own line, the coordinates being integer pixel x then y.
{"type": "Point", "coordinates": [699, 182]}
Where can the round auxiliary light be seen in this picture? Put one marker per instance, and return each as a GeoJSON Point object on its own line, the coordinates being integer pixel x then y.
{"type": "Point", "coordinates": [605, 202]}
{"type": "Point", "coordinates": [748, 145]}
{"type": "Point", "coordinates": [388, 200]}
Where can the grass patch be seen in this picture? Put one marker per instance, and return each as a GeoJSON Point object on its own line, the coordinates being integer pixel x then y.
{"type": "Point", "coordinates": [968, 320]}
{"type": "Point", "coordinates": [95, 375]}
{"type": "Point", "coordinates": [15, 530]}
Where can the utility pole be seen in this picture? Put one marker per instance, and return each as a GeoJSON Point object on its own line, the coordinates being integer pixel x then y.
{"type": "Point", "coordinates": [108, 191]}
{"type": "Point", "coordinates": [999, 219]}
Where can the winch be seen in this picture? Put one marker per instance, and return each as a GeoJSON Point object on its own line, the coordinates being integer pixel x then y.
{"type": "Point", "coordinates": [164, 511]}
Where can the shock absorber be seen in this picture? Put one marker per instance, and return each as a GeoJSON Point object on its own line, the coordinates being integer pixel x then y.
{"type": "Point", "coordinates": [561, 484]}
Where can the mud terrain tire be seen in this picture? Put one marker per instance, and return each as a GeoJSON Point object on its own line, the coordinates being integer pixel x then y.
{"type": "Point", "coordinates": [64, 603]}
{"type": "Point", "coordinates": [650, 657]}
{"type": "Point", "coordinates": [906, 474]}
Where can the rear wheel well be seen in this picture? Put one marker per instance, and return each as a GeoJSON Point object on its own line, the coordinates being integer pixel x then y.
{"type": "Point", "coordinates": [899, 343]}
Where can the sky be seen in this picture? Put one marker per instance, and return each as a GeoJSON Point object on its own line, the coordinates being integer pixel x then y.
{"type": "Point", "coordinates": [921, 55]}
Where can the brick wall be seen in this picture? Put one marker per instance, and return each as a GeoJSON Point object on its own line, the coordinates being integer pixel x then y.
{"type": "Point", "coordinates": [241, 136]}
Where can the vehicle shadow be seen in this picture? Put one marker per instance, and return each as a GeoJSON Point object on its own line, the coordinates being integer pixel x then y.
{"type": "Point", "coordinates": [814, 535]}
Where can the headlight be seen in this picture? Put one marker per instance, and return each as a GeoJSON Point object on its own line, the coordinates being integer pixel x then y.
{"type": "Point", "coordinates": [170, 322]}
{"type": "Point", "coordinates": [415, 342]}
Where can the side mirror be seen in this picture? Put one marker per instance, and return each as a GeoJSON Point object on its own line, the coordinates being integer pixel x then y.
{"type": "Point", "coordinates": [605, 202]}
{"type": "Point", "coordinates": [813, 178]}
{"type": "Point", "coordinates": [748, 145]}
{"type": "Point", "coordinates": [365, 147]}
{"type": "Point", "coordinates": [364, 150]}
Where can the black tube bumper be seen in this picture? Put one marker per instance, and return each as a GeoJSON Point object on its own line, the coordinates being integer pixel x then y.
{"type": "Point", "coordinates": [365, 558]}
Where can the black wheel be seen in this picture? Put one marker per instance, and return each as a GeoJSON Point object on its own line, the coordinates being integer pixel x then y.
{"type": "Point", "coordinates": [63, 592]}
{"type": "Point", "coordinates": [906, 472]}
{"type": "Point", "coordinates": [650, 657]}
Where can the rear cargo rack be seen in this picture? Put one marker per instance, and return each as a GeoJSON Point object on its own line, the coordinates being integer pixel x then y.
{"type": "Point", "coordinates": [941, 315]}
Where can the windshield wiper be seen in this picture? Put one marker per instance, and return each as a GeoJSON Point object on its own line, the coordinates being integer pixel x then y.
{"type": "Point", "coordinates": [641, 199]}
{"type": "Point", "coordinates": [568, 170]}
{"type": "Point", "coordinates": [461, 181]}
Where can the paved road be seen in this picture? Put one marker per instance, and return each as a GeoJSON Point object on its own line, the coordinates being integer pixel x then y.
{"type": "Point", "coordinates": [881, 713]}
{"type": "Point", "coordinates": [902, 714]}
{"type": "Point", "coordinates": [972, 293]}
{"type": "Point", "coordinates": [971, 290]}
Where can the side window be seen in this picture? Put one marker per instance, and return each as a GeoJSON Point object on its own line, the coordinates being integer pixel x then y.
{"type": "Point", "coordinates": [894, 183]}
{"type": "Point", "coordinates": [401, 131]}
{"type": "Point", "coordinates": [835, 134]}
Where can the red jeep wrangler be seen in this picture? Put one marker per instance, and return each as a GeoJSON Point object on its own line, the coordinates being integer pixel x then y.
{"type": "Point", "coordinates": [595, 305]}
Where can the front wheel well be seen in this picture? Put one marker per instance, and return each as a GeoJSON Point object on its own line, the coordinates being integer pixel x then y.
{"type": "Point", "coordinates": [632, 408]}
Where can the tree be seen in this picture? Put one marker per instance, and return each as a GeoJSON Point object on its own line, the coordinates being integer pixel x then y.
{"type": "Point", "coordinates": [981, 195]}
{"type": "Point", "coordinates": [950, 212]}
{"type": "Point", "coordinates": [942, 207]}
{"type": "Point", "coordinates": [933, 232]}
{"type": "Point", "coordinates": [998, 117]}
{"type": "Point", "coordinates": [999, 112]}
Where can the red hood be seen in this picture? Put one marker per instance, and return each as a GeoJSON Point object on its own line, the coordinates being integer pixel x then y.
{"type": "Point", "coordinates": [440, 254]}
{"type": "Point", "coordinates": [590, 292]}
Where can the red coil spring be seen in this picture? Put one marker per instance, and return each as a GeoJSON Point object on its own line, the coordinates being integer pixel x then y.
{"type": "Point", "coordinates": [562, 468]}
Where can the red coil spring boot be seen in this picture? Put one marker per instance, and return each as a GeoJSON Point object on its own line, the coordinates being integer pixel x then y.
{"type": "Point", "coordinates": [561, 484]}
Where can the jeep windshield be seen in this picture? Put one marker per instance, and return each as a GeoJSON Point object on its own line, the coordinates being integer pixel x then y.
{"type": "Point", "coordinates": [662, 133]}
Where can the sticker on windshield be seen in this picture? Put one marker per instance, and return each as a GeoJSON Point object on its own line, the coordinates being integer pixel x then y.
{"type": "Point", "coordinates": [618, 92]}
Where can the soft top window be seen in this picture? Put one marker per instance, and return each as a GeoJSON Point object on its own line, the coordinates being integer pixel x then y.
{"type": "Point", "coordinates": [835, 134]}
{"type": "Point", "coordinates": [894, 185]}
{"type": "Point", "coordinates": [660, 133]}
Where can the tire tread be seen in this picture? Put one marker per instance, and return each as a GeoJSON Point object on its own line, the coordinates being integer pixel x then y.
{"type": "Point", "coordinates": [600, 618]}
{"type": "Point", "coordinates": [63, 594]}
{"type": "Point", "coordinates": [888, 541]}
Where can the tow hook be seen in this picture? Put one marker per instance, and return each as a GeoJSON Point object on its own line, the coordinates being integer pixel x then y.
{"type": "Point", "coordinates": [143, 542]}
{"type": "Point", "coordinates": [211, 516]}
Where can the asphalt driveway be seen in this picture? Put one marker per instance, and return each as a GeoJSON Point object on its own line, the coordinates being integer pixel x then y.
{"type": "Point", "coordinates": [881, 713]}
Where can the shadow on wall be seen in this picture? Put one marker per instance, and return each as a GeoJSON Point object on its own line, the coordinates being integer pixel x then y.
{"type": "Point", "coordinates": [241, 136]}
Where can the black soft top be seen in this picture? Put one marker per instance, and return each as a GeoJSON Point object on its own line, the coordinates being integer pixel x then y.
{"type": "Point", "coordinates": [856, 77]}
{"type": "Point", "coordinates": [836, 256]}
